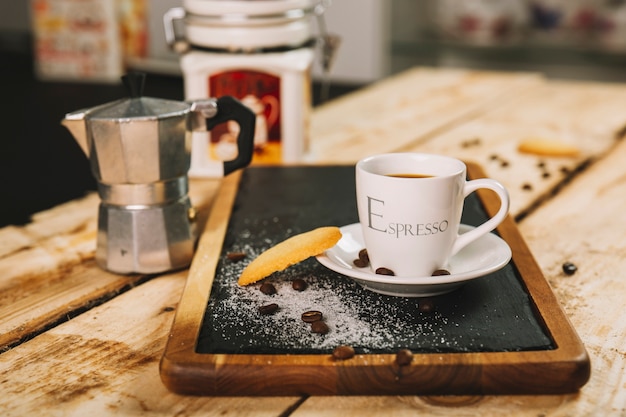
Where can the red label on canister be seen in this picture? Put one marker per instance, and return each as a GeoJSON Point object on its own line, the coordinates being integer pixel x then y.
{"type": "Point", "coordinates": [261, 93]}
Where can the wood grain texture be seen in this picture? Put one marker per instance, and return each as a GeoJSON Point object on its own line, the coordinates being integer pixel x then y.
{"type": "Point", "coordinates": [408, 109]}
{"type": "Point", "coordinates": [47, 268]}
{"type": "Point", "coordinates": [589, 220]}
{"type": "Point", "coordinates": [74, 375]}
{"type": "Point", "coordinates": [586, 116]}
{"type": "Point", "coordinates": [105, 362]}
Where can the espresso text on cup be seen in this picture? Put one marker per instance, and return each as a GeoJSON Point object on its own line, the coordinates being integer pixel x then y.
{"type": "Point", "coordinates": [377, 222]}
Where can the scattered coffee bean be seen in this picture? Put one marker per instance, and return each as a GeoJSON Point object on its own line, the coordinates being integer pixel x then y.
{"type": "Point", "coordinates": [235, 256]}
{"type": "Point", "coordinates": [541, 164]}
{"type": "Point", "coordinates": [299, 284]}
{"type": "Point", "coordinates": [426, 305]}
{"type": "Point", "coordinates": [268, 309]}
{"type": "Point", "coordinates": [545, 175]}
{"type": "Point", "coordinates": [564, 170]}
{"type": "Point", "coordinates": [569, 268]}
{"type": "Point", "coordinates": [503, 162]}
{"type": "Point", "coordinates": [311, 316]}
{"type": "Point", "coordinates": [440, 272]}
{"type": "Point", "coordinates": [527, 186]}
{"type": "Point", "coordinates": [343, 352]}
{"type": "Point", "coordinates": [319, 327]}
{"type": "Point", "coordinates": [360, 263]}
{"type": "Point", "coordinates": [364, 259]}
{"type": "Point", "coordinates": [385, 271]}
{"type": "Point", "coordinates": [267, 288]}
{"type": "Point", "coordinates": [404, 357]}
{"type": "Point", "coordinates": [470, 142]}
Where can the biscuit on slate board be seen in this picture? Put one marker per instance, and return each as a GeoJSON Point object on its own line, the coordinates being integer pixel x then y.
{"type": "Point", "coordinates": [289, 252]}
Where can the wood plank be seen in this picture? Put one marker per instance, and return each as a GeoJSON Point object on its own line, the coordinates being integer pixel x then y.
{"type": "Point", "coordinates": [51, 223]}
{"type": "Point", "coordinates": [584, 224]}
{"type": "Point", "coordinates": [48, 273]}
{"type": "Point", "coordinates": [105, 362]}
{"type": "Point", "coordinates": [32, 304]}
{"type": "Point", "coordinates": [407, 109]}
{"type": "Point", "coordinates": [586, 115]}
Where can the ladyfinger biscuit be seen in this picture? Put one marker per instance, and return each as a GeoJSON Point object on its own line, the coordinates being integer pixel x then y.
{"type": "Point", "coordinates": [547, 147]}
{"type": "Point", "coordinates": [289, 252]}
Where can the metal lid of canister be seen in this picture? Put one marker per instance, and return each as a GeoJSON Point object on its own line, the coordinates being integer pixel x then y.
{"type": "Point", "coordinates": [250, 9]}
{"type": "Point", "coordinates": [242, 25]}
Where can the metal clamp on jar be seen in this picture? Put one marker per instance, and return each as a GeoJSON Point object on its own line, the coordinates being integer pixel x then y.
{"type": "Point", "coordinates": [260, 52]}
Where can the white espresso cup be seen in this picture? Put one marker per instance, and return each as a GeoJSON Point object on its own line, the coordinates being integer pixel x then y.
{"type": "Point", "coordinates": [410, 207]}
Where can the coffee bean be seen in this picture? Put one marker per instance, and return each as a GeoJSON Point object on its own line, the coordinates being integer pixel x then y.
{"type": "Point", "coordinates": [268, 309]}
{"type": "Point", "coordinates": [299, 284]}
{"type": "Point", "coordinates": [319, 327]}
{"type": "Point", "coordinates": [360, 263]}
{"type": "Point", "coordinates": [343, 352]}
{"type": "Point", "coordinates": [470, 142]}
{"type": "Point", "coordinates": [527, 186]}
{"type": "Point", "coordinates": [404, 357]}
{"type": "Point", "coordinates": [426, 305]}
{"type": "Point", "coordinates": [440, 272]}
{"type": "Point", "coordinates": [569, 268]}
{"type": "Point", "coordinates": [235, 256]}
{"type": "Point", "coordinates": [311, 316]}
{"type": "Point", "coordinates": [267, 288]}
{"type": "Point", "coordinates": [364, 259]}
{"type": "Point", "coordinates": [385, 271]}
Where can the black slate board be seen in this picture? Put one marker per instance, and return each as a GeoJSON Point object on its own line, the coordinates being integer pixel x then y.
{"type": "Point", "coordinates": [490, 314]}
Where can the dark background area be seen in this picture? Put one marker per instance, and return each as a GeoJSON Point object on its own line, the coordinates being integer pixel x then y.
{"type": "Point", "coordinates": [40, 163]}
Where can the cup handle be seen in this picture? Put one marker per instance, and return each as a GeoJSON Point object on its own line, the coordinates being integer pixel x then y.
{"type": "Point", "coordinates": [229, 108]}
{"type": "Point", "coordinates": [471, 186]}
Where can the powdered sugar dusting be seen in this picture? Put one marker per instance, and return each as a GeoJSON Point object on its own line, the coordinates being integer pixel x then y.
{"type": "Point", "coordinates": [367, 321]}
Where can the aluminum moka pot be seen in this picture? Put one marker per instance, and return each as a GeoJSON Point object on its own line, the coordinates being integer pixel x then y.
{"type": "Point", "coordinates": [140, 152]}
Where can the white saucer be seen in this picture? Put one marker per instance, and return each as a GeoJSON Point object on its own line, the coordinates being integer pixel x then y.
{"type": "Point", "coordinates": [485, 255]}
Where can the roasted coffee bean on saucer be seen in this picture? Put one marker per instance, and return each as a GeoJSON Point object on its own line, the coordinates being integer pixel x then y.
{"type": "Point", "coordinates": [385, 271]}
{"type": "Point", "coordinates": [363, 260]}
{"type": "Point", "coordinates": [360, 263]}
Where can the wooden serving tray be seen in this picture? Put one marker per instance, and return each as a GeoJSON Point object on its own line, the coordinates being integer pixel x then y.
{"type": "Point", "coordinates": [503, 333]}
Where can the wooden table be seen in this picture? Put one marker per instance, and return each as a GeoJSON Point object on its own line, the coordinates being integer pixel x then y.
{"type": "Point", "coordinates": [77, 340]}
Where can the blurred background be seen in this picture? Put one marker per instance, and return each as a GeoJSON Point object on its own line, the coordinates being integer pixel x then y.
{"type": "Point", "coordinates": [49, 67]}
